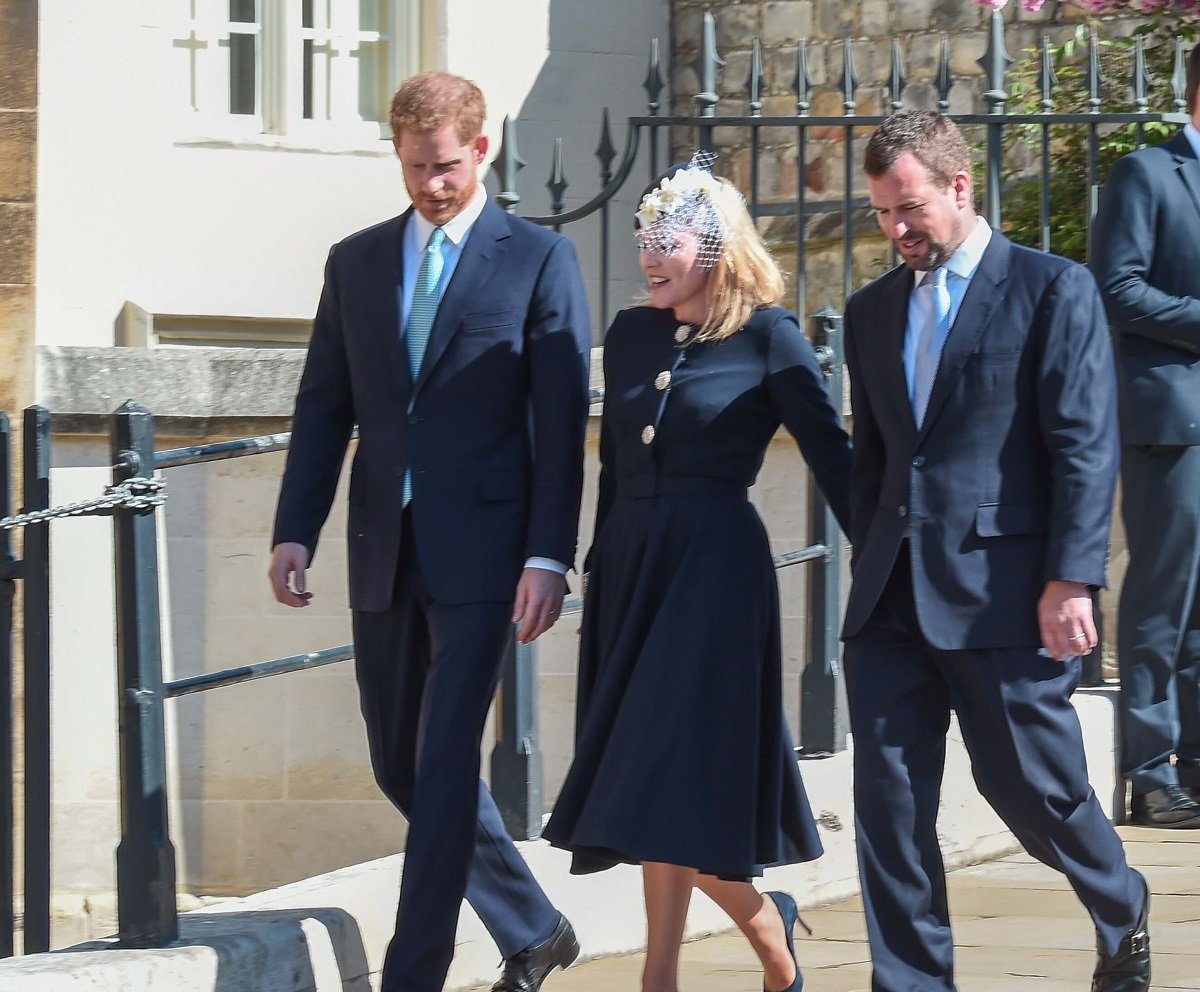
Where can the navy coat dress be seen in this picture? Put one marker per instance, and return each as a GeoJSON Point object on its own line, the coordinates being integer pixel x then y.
{"type": "Point", "coordinates": [682, 752]}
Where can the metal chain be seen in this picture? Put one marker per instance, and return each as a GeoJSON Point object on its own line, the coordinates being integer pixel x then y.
{"type": "Point", "coordinates": [136, 494]}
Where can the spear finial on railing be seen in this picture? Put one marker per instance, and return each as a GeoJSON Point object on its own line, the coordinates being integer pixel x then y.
{"type": "Point", "coordinates": [557, 183]}
{"type": "Point", "coordinates": [945, 80]}
{"type": "Point", "coordinates": [1048, 79]}
{"type": "Point", "coordinates": [1095, 76]}
{"type": "Point", "coordinates": [756, 80]}
{"type": "Point", "coordinates": [508, 164]}
{"type": "Point", "coordinates": [1179, 77]}
{"type": "Point", "coordinates": [709, 65]}
{"type": "Point", "coordinates": [849, 78]}
{"type": "Point", "coordinates": [606, 151]}
{"type": "Point", "coordinates": [655, 81]}
{"type": "Point", "coordinates": [803, 83]}
{"type": "Point", "coordinates": [994, 63]}
{"type": "Point", "coordinates": [896, 80]}
{"type": "Point", "coordinates": [1141, 78]}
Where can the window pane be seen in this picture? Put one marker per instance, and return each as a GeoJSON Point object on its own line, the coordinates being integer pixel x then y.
{"type": "Point", "coordinates": [308, 79]}
{"type": "Point", "coordinates": [368, 15]}
{"type": "Point", "coordinates": [306, 14]}
{"type": "Point", "coordinates": [243, 12]}
{"type": "Point", "coordinates": [370, 106]}
{"type": "Point", "coordinates": [241, 73]}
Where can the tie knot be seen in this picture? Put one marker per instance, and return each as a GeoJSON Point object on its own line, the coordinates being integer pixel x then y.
{"type": "Point", "coordinates": [436, 239]}
{"type": "Point", "coordinates": [940, 275]}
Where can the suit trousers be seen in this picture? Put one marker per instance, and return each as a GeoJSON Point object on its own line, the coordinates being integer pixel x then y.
{"type": "Point", "coordinates": [427, 673]}
{"type": "Point", "coordinates": [1026, 750]}
{"type": "Point", "coordinates": [1158, 636]}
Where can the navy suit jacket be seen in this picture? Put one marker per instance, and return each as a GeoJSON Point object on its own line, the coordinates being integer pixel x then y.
{"type": "Point", "coordinates": [493, 428]}
{"type": "Point", "coordinates": [1146, 257]}
{"type": "Point", "coordinates": [1009, 481]}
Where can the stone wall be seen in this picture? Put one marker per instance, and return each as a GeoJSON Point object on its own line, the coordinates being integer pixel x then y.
{"type": "Point", "coordinates": [18, 146]}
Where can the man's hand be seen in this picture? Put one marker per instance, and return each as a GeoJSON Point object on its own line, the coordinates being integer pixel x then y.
{"type": "Point", "coordinates": [539, 599]}
{"type": "Point", "coordinates": [1065, 619]}
{"type": "Point", "coordinates": [288, 562]}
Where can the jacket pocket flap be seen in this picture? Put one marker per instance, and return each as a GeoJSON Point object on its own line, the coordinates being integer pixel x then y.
{"type": "Point", "coordinates": [496, 318]}
{"type": "Point", "coordinates": [999, 519]}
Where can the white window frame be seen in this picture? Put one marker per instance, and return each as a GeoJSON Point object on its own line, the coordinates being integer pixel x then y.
{"type": "Point", "coordinates": [201, 39]}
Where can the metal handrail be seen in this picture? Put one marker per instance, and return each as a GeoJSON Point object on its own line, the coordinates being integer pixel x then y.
{"type": "Point", "coordinates": [331, 656]}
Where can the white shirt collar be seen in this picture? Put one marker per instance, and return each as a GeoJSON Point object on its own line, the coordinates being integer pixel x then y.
{"type": "Point", "coordinates": [969, 254]}
{"type": "Point", "coordinates": [1193, 135]}
{"type": "Point", "coordinates": [456, 228]}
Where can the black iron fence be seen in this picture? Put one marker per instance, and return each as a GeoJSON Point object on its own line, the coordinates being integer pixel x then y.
{"type": "Point", "coordinates": [706, 129]}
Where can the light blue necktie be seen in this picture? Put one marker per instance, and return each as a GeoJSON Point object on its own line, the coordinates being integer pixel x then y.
{"type": "Point", "coordinates": [425, 301]}
{"type": "Point", "coordinates": [421, 315]}
{"type": "Point", "coordinates": [934, 329]}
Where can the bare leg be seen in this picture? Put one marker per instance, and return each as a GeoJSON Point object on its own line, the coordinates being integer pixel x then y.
{"type": "Point", "coordinates": [668, 890]}
{"type": "Point", "coordinates": [757, 917]}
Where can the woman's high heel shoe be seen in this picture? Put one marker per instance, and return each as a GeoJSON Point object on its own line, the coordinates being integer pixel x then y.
{"type": "Point", "coordinates": [791, 916]}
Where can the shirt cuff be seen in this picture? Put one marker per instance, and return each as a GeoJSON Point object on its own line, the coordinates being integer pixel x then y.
{"type": "Point", "coordinates": [549, 564]}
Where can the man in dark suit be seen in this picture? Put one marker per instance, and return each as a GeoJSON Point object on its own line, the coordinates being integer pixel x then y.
{"type": "Point", "coordinates": [1146, 257]}
{"type": "Point", "coordinates": [456, 338]}
{"type": "Point", "coordinates": [984, 464]}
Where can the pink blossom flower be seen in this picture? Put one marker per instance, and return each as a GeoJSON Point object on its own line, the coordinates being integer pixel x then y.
{"type": "Point", "coordinates": [1032, 5]}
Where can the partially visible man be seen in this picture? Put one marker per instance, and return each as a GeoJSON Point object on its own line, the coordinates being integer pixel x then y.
{"type": "Point", "coordinates": [985, 449]}
{"type": "Point", "coordinates": [456, 337]}
{"type": "Point", "coordinates": [1146, 257]}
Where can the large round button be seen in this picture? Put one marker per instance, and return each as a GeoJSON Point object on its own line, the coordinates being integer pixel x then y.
{"type": "Point", "coordinates": [662, 380]}
{"type": "Point", "coordinates": [683, 332]}
{"type": "Point", "coordinates": [648, 434]}
{"type": "Point", "coordinates": [903, 511]}
{"type": "Point", "coordinates": [918, 461]}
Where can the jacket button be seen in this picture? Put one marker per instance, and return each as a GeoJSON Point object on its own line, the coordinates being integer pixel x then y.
{"type": "Point", "coordinates": [903, 511]}
{"type": "Point", "coordinates": [918, 461]}
{"type": "Point", "coordinates": [662, 380]}
{"type": "Point", "coordinates": [648, 434]}
{"type": "Point", "coordinates": [415, 418]}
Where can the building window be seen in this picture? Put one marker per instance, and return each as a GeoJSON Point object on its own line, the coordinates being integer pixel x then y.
{"type": "Point", "coordinates": [304, 69]}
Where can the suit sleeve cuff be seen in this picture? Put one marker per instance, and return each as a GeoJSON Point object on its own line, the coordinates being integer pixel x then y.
{"type": "Point", "coordinates": [549, 564]}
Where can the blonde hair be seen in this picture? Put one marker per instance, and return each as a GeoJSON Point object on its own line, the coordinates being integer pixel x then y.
{"type": "Point", "coordinates": [745, 277]}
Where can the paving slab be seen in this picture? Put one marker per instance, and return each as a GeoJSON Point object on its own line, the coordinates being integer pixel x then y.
{"type": "Point", "coordinates": [1017, 925]}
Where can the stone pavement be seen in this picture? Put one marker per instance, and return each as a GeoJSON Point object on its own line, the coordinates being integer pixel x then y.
{"type": "Point", "coordinates": [1017, 926]}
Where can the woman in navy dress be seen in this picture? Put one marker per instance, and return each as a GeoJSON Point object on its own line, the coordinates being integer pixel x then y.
{"type": "Point", "coordinates": [683, 761]}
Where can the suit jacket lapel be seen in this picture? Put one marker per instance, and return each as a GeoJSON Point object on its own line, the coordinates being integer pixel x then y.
{"type": "Point", "coordinates": [1188, 166]}
{"type": "Point", "coordinates": [465, 285]}
{"type": "Point", "coordinates": [982, 296]}
{"type": "Point", "coordinates": [388, 280]}
{"type": "Point", "coordinates": [894, 325]}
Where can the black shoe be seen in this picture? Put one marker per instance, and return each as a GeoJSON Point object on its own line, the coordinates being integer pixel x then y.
{"type": "Point", "coordinates": [1128, 968]}
{"type": "Point", "coordinates": [525, 972]}
{"type": "Point", "coordinates": [1169, 806]}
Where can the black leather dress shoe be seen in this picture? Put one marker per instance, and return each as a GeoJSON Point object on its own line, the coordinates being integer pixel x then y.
{"type": "Point", "coordinates": [1128, 968]}
{"type": "Point", "coordinates": [1169, 806]}
{"type": "Point", "coordinates": [525, 972]}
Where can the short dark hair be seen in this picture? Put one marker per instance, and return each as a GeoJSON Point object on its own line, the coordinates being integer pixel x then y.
{"type": "Point", "coordinates": [1193, 80]}
{"type": "Point", "coordinates": [934, 140]}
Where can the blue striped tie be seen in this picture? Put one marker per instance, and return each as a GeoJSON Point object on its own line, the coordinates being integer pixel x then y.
{"type": "Point", "coordinates": [421, 315]}
{"type": "Point", "coordinates": [934, 329]}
